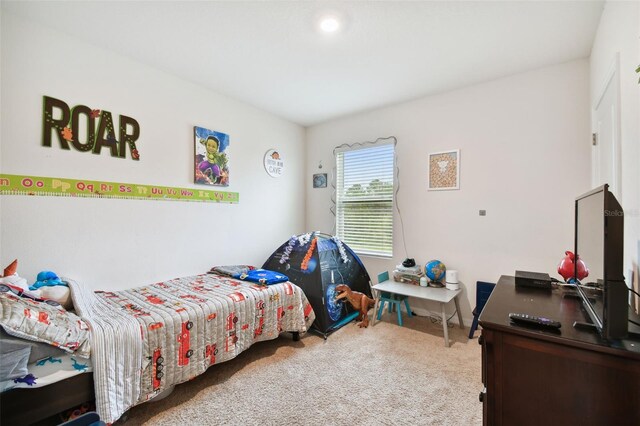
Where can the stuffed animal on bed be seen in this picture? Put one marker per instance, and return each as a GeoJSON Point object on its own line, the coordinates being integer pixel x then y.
{"type": "Point", "coordinates": [11, 269]}
{"type": "Point", "coordinates": [10, 277]}
{"type": "Point", "coordinates": [47, 279]}
{"type": "Point", "coordinates": [51, 287]}
{"type": "Point", "coordinates": [48, 285]}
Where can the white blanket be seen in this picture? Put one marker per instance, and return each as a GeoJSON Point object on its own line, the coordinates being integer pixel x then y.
{"type": "Point", "coordinates": [116, 352]}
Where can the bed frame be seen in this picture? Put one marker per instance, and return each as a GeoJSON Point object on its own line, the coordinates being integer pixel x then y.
{"type": "Point", "coordinates": [26, 406]}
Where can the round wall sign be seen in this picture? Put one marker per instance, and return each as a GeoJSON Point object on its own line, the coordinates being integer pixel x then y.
{"type": "Point", "coordinates": [274, 163]}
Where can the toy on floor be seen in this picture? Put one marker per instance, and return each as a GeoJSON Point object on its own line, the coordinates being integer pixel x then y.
{"type": "Point", "coordinates": [360, 302]}
{"type": "Point", "coordinates": [78, 411]}
{"type": "Point", "coordinates": [317, 271]}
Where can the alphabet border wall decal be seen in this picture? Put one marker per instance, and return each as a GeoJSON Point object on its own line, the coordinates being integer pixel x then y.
{"type": "Point", "coordinates": [64, 187]}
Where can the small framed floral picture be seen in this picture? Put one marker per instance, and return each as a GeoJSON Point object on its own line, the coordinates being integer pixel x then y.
{"type": "Point", "coordinates": [444, 170]}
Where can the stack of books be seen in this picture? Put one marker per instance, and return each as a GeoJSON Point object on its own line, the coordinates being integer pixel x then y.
{"type": "Point", "coordinates": [409, 275]}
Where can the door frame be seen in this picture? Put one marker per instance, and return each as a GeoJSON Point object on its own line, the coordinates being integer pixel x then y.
{"type": "Point", "coordinates": [611, 77]}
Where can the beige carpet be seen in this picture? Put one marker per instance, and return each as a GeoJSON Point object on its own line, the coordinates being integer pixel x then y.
{"type": "Point", "coordinates": [381, 375]}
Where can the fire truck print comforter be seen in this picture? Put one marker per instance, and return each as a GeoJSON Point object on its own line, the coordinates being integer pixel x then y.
{"type": "Point", "coordinates": [147, 339]}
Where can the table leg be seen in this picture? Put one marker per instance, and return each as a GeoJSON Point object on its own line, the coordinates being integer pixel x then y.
{"type": "Point", "coordinates": [445, 326]}
{"type": "Point", "coordinates": [455, 299]}
{"type": "Point", "coordinates": [375, 311]}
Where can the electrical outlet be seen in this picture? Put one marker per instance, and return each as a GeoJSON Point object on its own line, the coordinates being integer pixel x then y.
{"type": "Point", "coordinates": [482, 212]}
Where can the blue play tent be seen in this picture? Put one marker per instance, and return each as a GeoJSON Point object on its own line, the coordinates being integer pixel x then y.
{"type": "Point", "coordinates": [317, 263]}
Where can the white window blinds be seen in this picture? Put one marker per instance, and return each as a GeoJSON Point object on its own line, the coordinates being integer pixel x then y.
{"type": "Point", "coordinates": [364, 199]}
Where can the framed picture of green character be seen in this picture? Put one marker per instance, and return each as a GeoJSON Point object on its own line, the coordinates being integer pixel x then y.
{"type": "Point", "coordinates": [211, 157]}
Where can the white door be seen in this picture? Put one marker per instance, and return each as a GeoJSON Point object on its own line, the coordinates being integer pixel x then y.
{"type": "Point", "coordinates": [606, 156]}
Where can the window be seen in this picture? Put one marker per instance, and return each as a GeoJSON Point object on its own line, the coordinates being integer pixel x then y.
{"type": "Point", "coordinates": [364, 199]}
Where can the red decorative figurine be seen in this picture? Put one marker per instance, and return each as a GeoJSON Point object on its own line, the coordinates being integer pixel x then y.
{"type": "Point", "coordinates": [567, 266]}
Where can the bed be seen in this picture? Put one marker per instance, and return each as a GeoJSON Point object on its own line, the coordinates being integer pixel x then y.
{"type": "Point", "coordinates": [145, 340]}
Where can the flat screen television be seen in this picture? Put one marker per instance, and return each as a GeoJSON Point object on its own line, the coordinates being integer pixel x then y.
{"type": "Point", "coordinates": [599, 243]}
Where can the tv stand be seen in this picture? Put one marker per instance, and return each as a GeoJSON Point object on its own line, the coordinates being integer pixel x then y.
{"type": "Point", "coordinates": [537, 377]}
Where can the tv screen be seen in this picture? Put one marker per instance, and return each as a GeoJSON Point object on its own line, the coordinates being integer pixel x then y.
{"type": "Point", "coordinates": [590, 244]}
{"type": "Point", "coordinates": [599, 241]}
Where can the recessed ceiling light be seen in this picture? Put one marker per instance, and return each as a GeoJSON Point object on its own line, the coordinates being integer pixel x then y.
{"type": "Point", "coordinates": [329, 24]}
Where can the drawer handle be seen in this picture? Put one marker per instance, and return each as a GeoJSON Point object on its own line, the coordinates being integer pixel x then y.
{"type": "Point", "coordinates": [481, 396]}
{"type": "Point", "coordinates": [481, 340]}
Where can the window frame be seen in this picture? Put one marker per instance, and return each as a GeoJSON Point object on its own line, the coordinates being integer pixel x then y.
{"type": "Point", "coordinates": [337, 190]}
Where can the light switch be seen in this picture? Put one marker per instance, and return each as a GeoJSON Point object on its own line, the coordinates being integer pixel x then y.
{"type": "Point", "coordinates": [482, 212]}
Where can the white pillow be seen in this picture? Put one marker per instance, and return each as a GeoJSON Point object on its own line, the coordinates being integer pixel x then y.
{"type": "Point", "coordinates": [59, 293]}
{"type": "Point", "coordinates": [43, 322]}
{"type": "Point", "coordinates": [16, 281]}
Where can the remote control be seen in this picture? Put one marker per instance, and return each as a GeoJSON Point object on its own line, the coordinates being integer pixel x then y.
{"type": "Point", "coordinates": [533, 320]}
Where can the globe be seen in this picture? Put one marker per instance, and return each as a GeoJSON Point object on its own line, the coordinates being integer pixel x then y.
{"type": "Point", "coordinates": [435, 270]}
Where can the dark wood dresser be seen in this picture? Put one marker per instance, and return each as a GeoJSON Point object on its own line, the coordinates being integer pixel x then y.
{"type": "Point", "coordinates": [538, 377]}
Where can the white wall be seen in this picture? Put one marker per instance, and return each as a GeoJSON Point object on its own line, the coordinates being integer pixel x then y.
{"type": "Point", "coordinates": [525, 156]}
{"type": "Point", "coordinates": [115, 244]}
{"type": "Point", "coordinates": [619, 32]}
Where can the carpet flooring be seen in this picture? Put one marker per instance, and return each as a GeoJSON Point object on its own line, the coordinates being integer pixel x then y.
{"type": "Point", "coordinates": [381, 375]}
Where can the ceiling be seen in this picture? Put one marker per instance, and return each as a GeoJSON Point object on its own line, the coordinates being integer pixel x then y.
{"type": "Point", "coordinates": [271, 55]}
